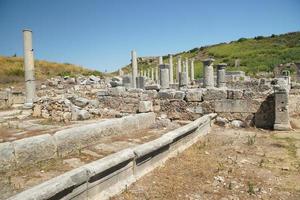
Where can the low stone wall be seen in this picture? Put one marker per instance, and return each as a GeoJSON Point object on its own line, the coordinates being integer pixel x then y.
{"type": "Point", "coordinates": [39, 148]}
{"type": "Point", "coordinates": [191, 104]}
{"type": "Point", "coordinates": [106, 177]}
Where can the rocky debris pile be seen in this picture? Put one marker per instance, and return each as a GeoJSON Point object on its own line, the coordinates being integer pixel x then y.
{"type": "Point", "coordinates": [61, 82]}
{"type": "Point", "coordinates": [63, 109]}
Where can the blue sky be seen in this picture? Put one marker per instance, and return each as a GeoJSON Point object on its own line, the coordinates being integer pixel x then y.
{"type": "Point", "coordinates": [100, 34]}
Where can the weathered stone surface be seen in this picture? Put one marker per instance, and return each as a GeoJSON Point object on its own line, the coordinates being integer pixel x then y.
{"type": "Point", "coordinates": [7, 158]}
{"type": "Point", "coordinates": [242, 106]}
{"type": "Point", "coordinates": [194, 95]}
{"type": "Point", "coordinates": [152, 87]}
{"type": "Point", "coordinates": [234, 94]}
{"type": "Point", "coordinates": [166, 94]}
{"type": "Point", "coordinates": [37, 110]}
{"type": "Point", "coordinates": [81, 102]}
{"type": "Point", "coordinates": [214, 94]}
{"type": "Point", "coordinates": [179, 95]}
{"type": "Point", "coordinates": [145, 106]}
{"type": "Point", "coordinates": [103, 92]}
{"type": "Point", "coordinates": [34, 149]}
{"type": "Point", "coordinates": [51, 188]}
{"type": "Point", "coordinates": [83, 115]}
{"type": "Point", "coordinates": [116, 91]}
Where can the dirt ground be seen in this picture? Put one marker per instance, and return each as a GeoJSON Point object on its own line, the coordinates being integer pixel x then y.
{"type": "Point", "coordinates": [228, 164]}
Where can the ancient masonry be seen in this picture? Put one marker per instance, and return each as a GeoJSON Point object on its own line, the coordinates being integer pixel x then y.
{"type": "Point", "coordinates": [140, 100]}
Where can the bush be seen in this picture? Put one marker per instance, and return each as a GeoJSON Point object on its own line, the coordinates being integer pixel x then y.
{"type": "Point", "coordinates": [259, 37]}
{"type": "Point", "coordinates": [241, 39]}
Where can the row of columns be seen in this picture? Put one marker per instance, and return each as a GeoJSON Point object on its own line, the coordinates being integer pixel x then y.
{"type": "Point", "coordinates": [165, 72]}
{"type": "Point", "coordinates": [171, 70]}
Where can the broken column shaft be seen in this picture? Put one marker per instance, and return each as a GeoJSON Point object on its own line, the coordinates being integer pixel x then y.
{"type": "Point", "coordinates": [221, 75]}
{"type": "Point", "coordinates": [282, 121]}
{"type": "Point", "coordinates": [164, 76]}
{"type": "Point", "coordinates": [208, 73]}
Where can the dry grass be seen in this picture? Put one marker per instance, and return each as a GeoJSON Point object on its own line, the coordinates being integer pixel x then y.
{"type": "Point", "coordinates": [11, 70]}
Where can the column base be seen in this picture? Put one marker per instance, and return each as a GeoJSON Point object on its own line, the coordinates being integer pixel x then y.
{"type": "Point", "coordinates": [28, 106]}
{"type": "Point", "coordinates": [282, 127]}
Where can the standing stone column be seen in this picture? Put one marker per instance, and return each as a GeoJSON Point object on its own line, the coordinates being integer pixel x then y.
{"type": "Point", "coordinates": [192, 70]}
{"type": "Point", "coordinates": [171, 68]}
{"type": "Point", "coordinates": [134, 68]}
{"type": "Point", "coordinates": [29, 69]}
{"type": "Point", "coordinates": [221, 79]}
{"type": "Point", "coordinates": [208, 73]}
{"type": "Point", "coordinates": [282, 121]}
{"type": "Point", "coordinates": [164, 76]}
{"type": "Point", "coordinates": [187, 68]}
{"type": "Point", "coordinates": [160, 60]}
{"type": "Point", "coordinates": [152, 73]}
{"type": "Point", "coordinates": [148, 73]}
{"type": "Point", "coordinates": [178, 67]}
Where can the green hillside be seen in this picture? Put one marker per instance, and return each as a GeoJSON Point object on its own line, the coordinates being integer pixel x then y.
{"type": "Point", "coordinates": [11, 70]}
{"type": "Point", "coordinates": [259, 54]}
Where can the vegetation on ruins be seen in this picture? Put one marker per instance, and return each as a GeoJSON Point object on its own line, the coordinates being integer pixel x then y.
{"type": "Point", "coordinates": [11, 69]}
{"type": "Point", "coordinates": [258, 54]}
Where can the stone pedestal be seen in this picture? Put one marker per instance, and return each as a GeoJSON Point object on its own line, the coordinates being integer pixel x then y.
{"type": "Point", "coordinates": [134, 67]}
{"type": "Point", "coordinates": [208, 73]}
{"type": "Point", "coordinates": [126, 81]}
{"type": "Point", "coordinates": [29, 69]}
{"type": "Point", "coordinates": [171, 69]}
{"type": "Point", "coordinates": [282, 122]}
{"type": "Point", "coordinates": [140, 82]}
{"type": "Point", "coordinates": [182, 79]}
{"type": "Point", "coordinates": [221, 75]}
{"type": "Point", "coordinates": [164, 78]}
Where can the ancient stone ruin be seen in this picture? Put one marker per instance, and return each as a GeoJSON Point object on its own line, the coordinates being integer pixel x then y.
{"type": "Point", "coordinates": [81, 122]}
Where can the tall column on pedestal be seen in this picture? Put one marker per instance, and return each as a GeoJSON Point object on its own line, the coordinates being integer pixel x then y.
{"type": "Point", "coordinates": [29, 69]}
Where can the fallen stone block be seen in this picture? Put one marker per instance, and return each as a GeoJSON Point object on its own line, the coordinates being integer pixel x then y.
{"type": "Point", "coordinates": [166, 94]}
{"type": "Point", "coordinates": [194, 95]}
{"type": "Point", "coordinates": [116, 91]}
{"type": "Point", "coordinates": [214, 94]}
{"type": "Point", "coordinates": [145, 106]}
{"type": "Point", "coordinates": [179, 95]}
{"type": "Point", "coordinates": [152, 87]}
{"type": "Point", "coordinates": [34, 149]}
{"type": "Point", "coordinates": [238, 105]}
